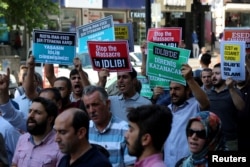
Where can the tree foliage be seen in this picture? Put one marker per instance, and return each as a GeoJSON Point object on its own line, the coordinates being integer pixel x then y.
{"type": "Point", "coordinates": [29, 13]}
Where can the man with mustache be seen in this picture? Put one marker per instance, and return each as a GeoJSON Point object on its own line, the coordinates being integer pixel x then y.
{"type": "Point", "coordinates": [105, 128]}
{"type": "Point", "coordinates": [128, 97]}
{"type": "Point", "coordinates": [37, 147]}
{"type": "Point", "coordinates": [226, 101]}
{"type": "Point", "coordinates": [78, 79]}
{"type": "Point", "coordinates": [186, 101]}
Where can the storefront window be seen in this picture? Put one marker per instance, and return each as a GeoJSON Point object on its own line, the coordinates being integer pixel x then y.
{"type": "Point", "coordinates": [236, 19]}
{"type": "Point", "coordinates": [139, 26]}
{"type": "Point", "coordinates": [70, 19]}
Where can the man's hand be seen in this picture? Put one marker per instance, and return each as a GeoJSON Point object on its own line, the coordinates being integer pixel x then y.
{"type": "Point", "coordinates": [4, 87]}
{"type": "Point", "coordinates": [31, 62]}
{"type": "Point", "coordinates": [157, 91]}
{"type": "Point", "coordinates": [77, 64]}
{"type": "Point", "coordinates": [230, 82]}
{"type": "Point", "coordinates": [186, 71]}
{"type": "Point", "coordinates": [4, 81]}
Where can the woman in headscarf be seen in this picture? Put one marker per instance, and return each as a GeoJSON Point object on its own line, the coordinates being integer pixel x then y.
{"type": "Point", "coordinates": [203, 134]}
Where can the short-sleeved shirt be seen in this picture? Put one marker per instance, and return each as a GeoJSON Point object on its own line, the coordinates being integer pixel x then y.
{"type": "Point", "coordinates": [113, 140]}
{"type": "Point", "coordinates": [222, 105]}
{"type": "Point", "coordinates": [176, 145]}
{"type": "Point", "coordinates": [119, 105]}
{"type": "Point", "coordinates": [28, 154]}
{"type": "Point", "coordinates": [92, 158]}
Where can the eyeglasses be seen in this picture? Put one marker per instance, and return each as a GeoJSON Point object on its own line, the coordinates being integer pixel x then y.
{"type": "Point", "coordinates": [199, 133]}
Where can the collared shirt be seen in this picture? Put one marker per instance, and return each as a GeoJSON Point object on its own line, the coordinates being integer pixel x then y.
{"type": "Point", "coordinates": [24, 104]}
{"type": "Point", "coordinates": [72, 98]}
{"type": "Point", "coordinates": [46, 153]}
{"type": "Point", "coordinates": [10, 135]}
{"type": "Point", "coordinates": [112, 138]}
{"type": "Point", "coordinates": [119, 105]}
{"type": "Point", "coordinates": [155, 160]}
{"type": "Point", "coordinates": [176, 145]}
{"type": "Point", "coordinates": [15, 117]}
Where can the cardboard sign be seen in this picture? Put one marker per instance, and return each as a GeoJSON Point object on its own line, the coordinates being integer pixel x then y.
{"type": "Point", "coordinates": [165, 62]}
{"type": "Point", "coordinates": [233, 59]}
{"type": "Point", "coordinates": [54, 47]}
{"type": "Point", "coordinates": [238, 34]}
{"type": "Point", "coordinates": [124, 31]}
{"type": "Point", "coordinates": [113, 55]}
{"type": "Point", "coordinates": [170, 36]}
{"type": "Point", "coordinates": [100, 30]}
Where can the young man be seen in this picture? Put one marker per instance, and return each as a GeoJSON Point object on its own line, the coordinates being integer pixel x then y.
{"type": "Point", "coordinates": [104, 124]}
{"type": "Point", "coordinates": [226, 101]}
{"type": "Point", "coordinates": [72, 128]}
{"type": "Point", "coordinates": [146, 135]}
{"type": "Point", "coordinates": [129, 97]}
{"type": "Point", "coordinates": [38, 148]}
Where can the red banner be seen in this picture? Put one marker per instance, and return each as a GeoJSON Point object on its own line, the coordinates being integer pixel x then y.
{"type": "Point", "coordinates": [112, 55]}
{"type": "Point", "coordinates": [238, 34]}
{"type": "Point", "coordinates": [170, 36]}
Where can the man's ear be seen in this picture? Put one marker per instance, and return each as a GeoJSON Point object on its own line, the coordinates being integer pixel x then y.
{"type": "Point", "coordinates": [146, 139]}
{"type": "Point", "coordinates": [81, 133]}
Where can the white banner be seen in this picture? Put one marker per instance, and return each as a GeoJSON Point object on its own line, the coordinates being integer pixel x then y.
{"type": "Point", "coordinates": [97, 4]}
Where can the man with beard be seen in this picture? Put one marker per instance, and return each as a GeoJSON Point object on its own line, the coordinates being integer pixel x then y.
{"type": "Point", "coordinates": [129, 97]}
{"type": "Point", "coordinates": [38, 148]}
{"type": "Point", "coordinates": [226, 101]}
{"type": "Point", "coordinates": [186, 101]}
{"type": "Point", "coordinates": [72, 128]}
{"type": "Point", "coordinates": [149, 126]}
{"type": "Point", "coordinates": [105, 128]}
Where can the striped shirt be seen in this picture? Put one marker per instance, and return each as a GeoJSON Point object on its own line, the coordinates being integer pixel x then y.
{"type": "Point", "coordinates": [112, 138]}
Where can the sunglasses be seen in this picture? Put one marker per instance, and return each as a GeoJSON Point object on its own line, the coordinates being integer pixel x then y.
{"type": "Point", "coordinates": [199, 133]}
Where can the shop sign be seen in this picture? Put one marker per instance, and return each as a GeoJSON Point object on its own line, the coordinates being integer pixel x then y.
{"type": "Point", "coordinates": [137, 14]}
{"type": "Point", "coordinates": [112, 55]}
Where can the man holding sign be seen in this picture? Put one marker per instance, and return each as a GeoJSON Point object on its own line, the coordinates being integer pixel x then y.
{"type": "Point", "coordinates": [183, 106]}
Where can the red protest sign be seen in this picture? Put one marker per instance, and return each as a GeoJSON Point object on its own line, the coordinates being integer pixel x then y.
{"type": "Point", "coordinates": [238, 34]}
{"type": "Point", "coordinates": [112, 55]}
{"type": "Point", "coordinates": [170, 36]}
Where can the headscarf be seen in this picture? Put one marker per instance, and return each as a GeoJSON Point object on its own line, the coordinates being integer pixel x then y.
{"type": "Point", "coordinates": [214, 138]}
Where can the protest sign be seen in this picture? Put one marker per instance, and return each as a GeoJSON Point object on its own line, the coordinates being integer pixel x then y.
{"type": "Point", "coordinates": [233, 59]}
{"type": "Point", "coordinates": [170, 36]}
{"type": "Point", "coordinates": [99, 30]}
{"type": "Point", "coordinates": [112, 55]}
{"type": "Point", "coordinates": [124, 31]}
{"type": "Point", "coordinates": [238, 34]}
{"type": "Point", "coordinates": [145, 87]}
{"type": "Point", "coordinates": [54, 47]}
{"type": "Point", "coordinates": [165, 62]}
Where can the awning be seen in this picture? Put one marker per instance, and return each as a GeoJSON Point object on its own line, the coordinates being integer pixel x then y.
{"type": "Point", "coordinates": [237, 7]}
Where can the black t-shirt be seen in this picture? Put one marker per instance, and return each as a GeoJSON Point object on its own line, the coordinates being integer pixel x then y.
{"type": "Point", "coordinates": [92, 158]}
